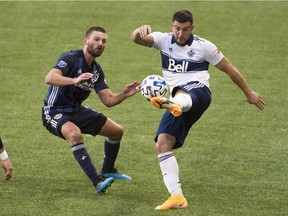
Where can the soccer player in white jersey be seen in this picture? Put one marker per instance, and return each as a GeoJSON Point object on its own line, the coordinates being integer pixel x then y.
{"type": "Point", "coordinates": [185, 61]}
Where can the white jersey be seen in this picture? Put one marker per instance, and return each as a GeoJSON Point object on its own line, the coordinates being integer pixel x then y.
{"type": "Point", "coordinates": [183, 64]}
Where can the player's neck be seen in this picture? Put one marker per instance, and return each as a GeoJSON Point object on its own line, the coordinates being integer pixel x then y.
{"type": "Point", "coordinates": [89, 58]}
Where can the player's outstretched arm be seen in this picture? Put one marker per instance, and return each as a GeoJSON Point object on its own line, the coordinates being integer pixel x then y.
{"type": "Point", "coordinates": [110, 99]}
{"type": "Point", "coordinates": [8, 169]}
{"type": "Point", "coordinates": [141, 36]}
{"type": "Point", "coordinates": [6, 164]}
{"type": "Point", "coordinates": [252, 97]}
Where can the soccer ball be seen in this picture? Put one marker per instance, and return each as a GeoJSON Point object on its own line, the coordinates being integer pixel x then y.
{"type": "Point", "coordinates": [154, 86]}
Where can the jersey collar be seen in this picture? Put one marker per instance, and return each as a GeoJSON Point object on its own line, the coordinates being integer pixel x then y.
{"type": "Point", "coordinates": [84, 60]}
{"type": "Point", "coordinates": [189, 41]}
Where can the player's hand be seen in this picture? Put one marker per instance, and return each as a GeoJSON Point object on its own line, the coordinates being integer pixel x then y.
{"type": "Point", "coordinates": [256, 99]}
{"type": "Point", "coordinates": [83, 78]}
{"type": "Point", "coordinates": [8, 169]}
{"type": "Point", "coordinates": [131, 89]}
{"type": "Point", "coordinates": [144, 30]}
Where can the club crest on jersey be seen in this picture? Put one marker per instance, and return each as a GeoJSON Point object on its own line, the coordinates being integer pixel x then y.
{"type": "Point", "coordinates": [95, 76]}
{"type": "Point", "coordinates": [190, 53]}
{"type": "Point", "coordinates": [62, 64]}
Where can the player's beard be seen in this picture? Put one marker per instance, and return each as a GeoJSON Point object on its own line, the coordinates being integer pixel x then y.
{"type": "Point", "coordinates": [181, 41]}
{"type": "Point", "coordinates": [95, 52]}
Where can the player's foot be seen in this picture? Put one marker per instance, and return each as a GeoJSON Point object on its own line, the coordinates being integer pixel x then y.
{"type": "Point", "coordinates": [115, 175]}
{"type": "Point", "coordinates": [164, 103]}
{"type": "Point", "coordinates": [174, 202]}
{"type": "Point", "coordinates": [103, 185]}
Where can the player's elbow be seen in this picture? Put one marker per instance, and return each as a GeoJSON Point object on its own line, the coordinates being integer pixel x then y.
{"type": "Point", "coordinates": [108, 105]}
{"type": "Point", "coordinates": [136, 40]}
{"type": "Point", "coordinates": [134, 35]}
{"type": "Point", "coordinates": [48, 79]}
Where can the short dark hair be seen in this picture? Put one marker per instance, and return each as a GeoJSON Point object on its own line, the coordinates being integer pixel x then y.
{"type": "Point", "coordinates": [182, 16]}
{"type": "Point", "coordinates": [95, 28]}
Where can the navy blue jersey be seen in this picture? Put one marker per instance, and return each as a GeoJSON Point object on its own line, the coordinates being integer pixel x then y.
{"type": "Point", "coordinates": [69, 98]}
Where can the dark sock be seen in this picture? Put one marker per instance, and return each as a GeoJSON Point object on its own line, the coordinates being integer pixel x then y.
{"type": "Point", "coordinates": [81, 155]}
{"type": "Point", "coordinates": [110, 154]}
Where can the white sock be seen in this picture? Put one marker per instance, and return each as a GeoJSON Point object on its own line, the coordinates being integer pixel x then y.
{"type": "Point", "coordinates": [170, 172]}
{"type": "Point", "coordinates": [184, 100]}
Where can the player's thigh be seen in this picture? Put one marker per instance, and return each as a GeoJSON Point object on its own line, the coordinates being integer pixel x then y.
{"type": "Point", "coordinates": [53, 122]}
{"type": "Point", "coordinates": [173, 126]}
{"type": "Point", "coordinates": [71, 132]}
{"type": "Point", "coordinates": [89, 121]}
{"type": "Point", "coordinates": [112, 130]}
{"type": "Point", "coordinates": [165, 143]}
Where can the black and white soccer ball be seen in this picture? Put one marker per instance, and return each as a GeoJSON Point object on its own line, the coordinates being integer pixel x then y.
{"type": "Point", "coordinates": [154, 86]}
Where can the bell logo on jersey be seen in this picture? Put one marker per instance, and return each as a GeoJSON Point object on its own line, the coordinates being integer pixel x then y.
{"type": "Point", "coordinates": [181, 67]}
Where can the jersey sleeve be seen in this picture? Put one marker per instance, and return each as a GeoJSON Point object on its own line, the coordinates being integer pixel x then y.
{"type": "Point", "coordinates": [159, 39]}
{"type": "Point", "coordinates": [212, 54]}
{"type": "Point", "coordinates": [66, 63]}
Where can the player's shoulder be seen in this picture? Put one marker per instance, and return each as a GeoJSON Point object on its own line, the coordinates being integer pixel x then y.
{"type": "Point", "coordinates": [200, 39]}
{"type": "Point", "coordinates": [70, 57]}
{"type": "Point", "coordinates": [158, 34]}
{"type": "Point", "coordinates": [71, 54]}
{"type": "Point", "coordinates": [202, 42]}
{"type": "Point", "coordinates": [162, 39]}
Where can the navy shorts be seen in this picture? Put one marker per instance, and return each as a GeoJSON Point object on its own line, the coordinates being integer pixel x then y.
{"type": "Point", "coordinates": [180, 126]}
{"type": "Point", "coordinates": [89, 121]}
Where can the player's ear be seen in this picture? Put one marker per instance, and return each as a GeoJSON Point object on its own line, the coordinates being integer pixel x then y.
{"type": "Point", "coordinates": [85, 41]}
{"type": "Point", "coordinates": [192, 27]}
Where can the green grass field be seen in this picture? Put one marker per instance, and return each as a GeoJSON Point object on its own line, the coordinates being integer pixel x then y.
{"type": "Point", "coordinates": [234, 161]}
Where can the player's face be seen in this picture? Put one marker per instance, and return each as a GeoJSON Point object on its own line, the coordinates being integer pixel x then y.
{"type": "Point", "coordinates": [182, 32]}
{"type": "Point", "coordinates": [95, 43]}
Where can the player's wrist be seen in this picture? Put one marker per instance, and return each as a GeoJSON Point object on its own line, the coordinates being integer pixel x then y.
{"type": "Point", "coordinates": [4, 155]}
{"type": "Point", "coordinates": [249, 93]}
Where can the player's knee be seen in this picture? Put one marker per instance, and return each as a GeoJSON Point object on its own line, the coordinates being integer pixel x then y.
{"type": "Point", "coordinates": [117, 133]}
{"type": "Point", "coordinates": [165, 143]}
{"type": "Point", "coordinates": [73, 135]}
{"type": "Point", "coordinates": [76, 137]}
{"type": "Point", "coordinates": [161, 148]}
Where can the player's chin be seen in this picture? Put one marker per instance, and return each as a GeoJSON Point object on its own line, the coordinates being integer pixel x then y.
{"type": "Point", "coordinates": [181, 42]}
{"type": "Point", "coordinates": [97, 53]}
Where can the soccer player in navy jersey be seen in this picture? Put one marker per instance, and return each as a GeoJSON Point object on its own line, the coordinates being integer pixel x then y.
{"type": "Point", "coordinates": [185, 61]}
{"type": "Point", "coordinates": [6, 164]}
{"type": "Point", "coordinates": [71, 81]}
